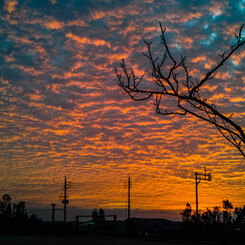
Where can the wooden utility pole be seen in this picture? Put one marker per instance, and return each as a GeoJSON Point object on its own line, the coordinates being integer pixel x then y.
{"type": "Point", "coordinates": [198, 178]}
{"type": "Point", "coordinates": [65, 200]}
{"type": "Point", "coordinates": [53, 212]}
{"type": "Point", "coordinates": [128, 185]}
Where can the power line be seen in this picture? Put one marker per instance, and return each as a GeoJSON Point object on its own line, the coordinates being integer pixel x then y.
{"type": "Point", "coordinates": [38, 211]}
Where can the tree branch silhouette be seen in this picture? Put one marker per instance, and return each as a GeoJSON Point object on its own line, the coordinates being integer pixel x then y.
{"type": "Point", "coordinates": [169, 83]}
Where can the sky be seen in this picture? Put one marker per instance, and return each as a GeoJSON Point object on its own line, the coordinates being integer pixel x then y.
{"type": "Point", "coordinates": [62, 112]}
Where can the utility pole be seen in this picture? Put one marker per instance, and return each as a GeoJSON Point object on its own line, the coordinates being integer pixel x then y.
{"type": "Point", "coordinates": [53, 212]}
{"type": "Point", "coordinates": [128, 185]}
{"type": "Point", "coordinates": [198, 178]}
{"type": "Point", "coordinates": [65, 201]}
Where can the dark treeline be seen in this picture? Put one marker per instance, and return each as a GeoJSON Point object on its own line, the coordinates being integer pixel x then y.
{"type": "Point", "coordinates": [221, 225]}
{"type": "Point", "coordinates": [214, 225]}
{"type": "Point", "coordinates": [228, 215]}
{"type": "Point", "coordinates": [15, 220]}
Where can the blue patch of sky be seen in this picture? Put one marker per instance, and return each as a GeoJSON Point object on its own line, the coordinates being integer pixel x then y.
{"type": "Point", "coordinates": [13, 75]}
{"type": "Point", "coordinates": [215, 16]}
{"type": "Point", "coordinates": [243, 33]}
{"type": "Point", "coordinates": [205, 42]}
{"type": "Point", "coordinates": [80, 3]}
{"type": "Point", "coordinates": [1, 4]}
{"type": "Point", "coordinates": [98, 24]}
{"type": "Point", "coordinates": [62, 10]}
{"type": "Point", "coordinates": [233, 67]}
{"type": "Point", "coordinates": [26, 60]}
{"type": "Point", "coordinates": [234, 12]}
{"type": "Point", "coordinates": [61, 58]}
{"type": "Point", "coordinates": [56, 40]}
{"type": "Point", "coordinates": [2, 61]}
{"type": "Point", "coordinates": [6, 46]}
{"type": "Point", "coordinates": [188, 4]}
{"type": "Point", "coordinates": [108, 4]}
{"type": "Point", "coordinates": [177, 46]}
{"type": "Point", "coordinates": [36, 4]}
{"type": "Point", "coordinates": [2, 22]}
{"type": "Point", "coordinates": [206, 26]}
{"type": "Point", "coordinates": [44, 6]}
{"type": "Point", "coordinates": [84, 6]}
{"type": "Point", "coordinates": [192, 22]}
{"type": "Point", "coordinates": [170, 35]}
{"type": "Point", "coordinates": [241, 5]}
{"type": "Point", "coordinates": [213, 36]}
{"type": "Point", "coordinates": [63, 13]}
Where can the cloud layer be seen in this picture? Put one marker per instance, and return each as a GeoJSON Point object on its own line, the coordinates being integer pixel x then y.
{"type": "Point", "coordinates": [62, 112]}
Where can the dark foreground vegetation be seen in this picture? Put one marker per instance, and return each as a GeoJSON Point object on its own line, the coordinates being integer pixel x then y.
{"type": "Point", "coordinates": [212, 226]}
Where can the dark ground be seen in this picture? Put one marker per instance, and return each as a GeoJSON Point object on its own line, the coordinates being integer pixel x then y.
{"type": "Point", "coordinates": [49, 240]}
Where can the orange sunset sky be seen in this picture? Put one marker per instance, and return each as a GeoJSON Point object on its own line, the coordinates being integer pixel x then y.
{"type": "Point", "coordinates": [62, 112]}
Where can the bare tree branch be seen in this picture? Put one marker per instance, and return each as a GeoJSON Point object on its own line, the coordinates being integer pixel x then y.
{"type": "Point", "coordinates": [189, 100]}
